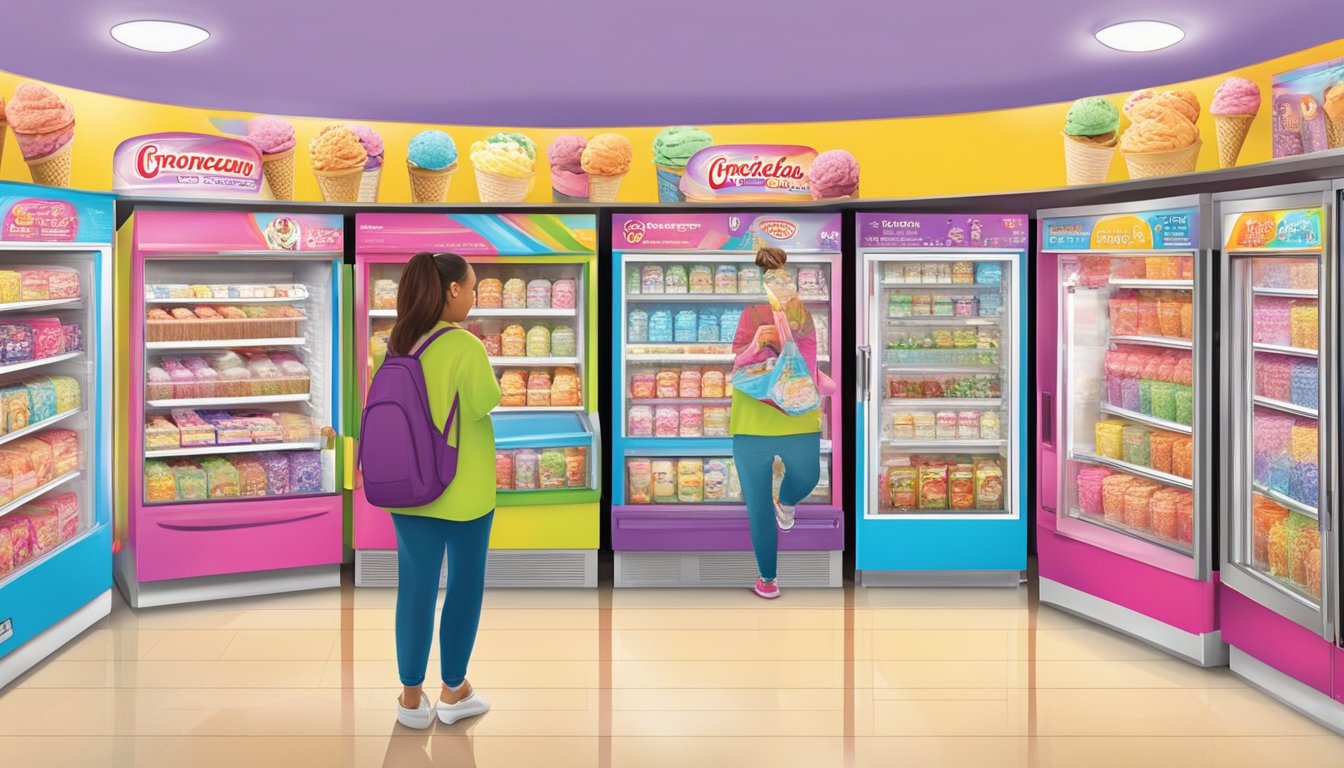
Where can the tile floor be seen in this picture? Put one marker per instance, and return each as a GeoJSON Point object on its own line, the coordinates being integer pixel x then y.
{"type": "Point", "coordinates": [648, 679]}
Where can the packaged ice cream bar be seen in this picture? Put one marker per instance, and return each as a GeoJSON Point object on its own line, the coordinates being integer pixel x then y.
{"type": "Point", "coordinates": [192, 484]}
{"type": "Point", "coordinates": [565, 389]}
{"type": "Point", "coordinates": [686, 326]}
{"type": "Point", "coordinates": [66, 508]}
{"type": "Point", "coordinates": [513, 388]}
{"type": "Point", "coordinates": [639, 474]}
{"type": "Point", "coordinates": [64, 445]}
{"type": "Point", "coordinates": [46, 528]}
{"type": "Point", "coordinates": [503, 471]}
{"type": "Point", "coordinates": [700, 279]}
{"type": "Point", "coordinates": [675, 279]}
{"type": "Point", "coordinates": [640, 421]}
{"type": "Point", "coordinates": [715, 480]}
{"type": "Point", "coordinates": [159, 482]}
{"type": "Point", "coordinates": [651, 279]}
{"type": "Point", "coordinates": [526, 468]}
{"type": "Point", "coordinates": [34, 285]}
{"type": "Point", "coordinates": [642, 385]}
{"type": "Point", "coordinates": [514, 341]}
{"type": "Point", "coordinates": [277, 473]}
{"type": "Point", "coordinates": [384, 295]}
{"type": "Point", "coordinates": [305, 472]}
{"type": "Point", "coordinates": [252, 477]}
{"type": "Point", "coordinates": [539, 341]}
{"type": "Point", "coordinates": [10, 287]}
{"type": "Point", "coordinates": [725, 279]}
{"type": "Point", "coordinates": [563, 341]}
{"type": "Point", "coordinates": [690, 481]}
{"type": "Point", "coordinates": [222, 478]}
{"type": "Point", "coordinates": [515, 294]}
{"type": "Point", "coordinates": [42, 397]}
{"type": "Point", "coordinates": [576, 467]}
{"type": "Point", "coordinates": [551, 468]}
{"type": "Point", "coordinates": [490, 293]}
{"type": "Point", "coordinates": [664, 472]}
{"type": "Point", "coordinates": [16, 343]}
{"type": "Point", "coordinates": [539, 294]}
{"type": "Point", "coordinates": [538, 389]}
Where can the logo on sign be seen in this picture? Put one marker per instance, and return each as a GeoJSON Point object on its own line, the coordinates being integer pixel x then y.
{"type": "Point", "coordinates": [779, 229]}
{"type": "Point", "coordinates": [634, 232]}
{"type": "Point", "coordinates": [746, 172]}
{"type": "Point", "coordinates": [188, 164]}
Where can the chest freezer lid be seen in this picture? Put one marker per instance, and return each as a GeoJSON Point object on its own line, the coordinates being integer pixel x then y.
{"type": "Point", "coordinates": [540, 430]}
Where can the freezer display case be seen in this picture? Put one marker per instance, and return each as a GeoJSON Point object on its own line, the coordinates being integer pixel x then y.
{"type": "Point", "coordinates": [55, 424]}
{"type": "Point", "coordinates": [536, 313]}
{"type": "Point", "coordinates": [1127, 481]}
{"type": "Point", "coordinates": [940, 439]}
{"type": "Point", "coordinates": [682, 280]}
{"type": "Point", "coordinates": [233, 363]}
{"type": "Point", "coordinates": [1280, 325]}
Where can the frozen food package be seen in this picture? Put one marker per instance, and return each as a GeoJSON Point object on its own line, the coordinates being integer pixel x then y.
{"type": "Point", "coordinates": [62, 283]}
{"type": "Point", "coordinates": [305, 472]}
{"type": "Point", "coordinates": [40, 457]}
{"type": "Point", "coordinates": [690, 481]}
{"type": "Point", "coordinates": [46, 528]}
{"type": "Point", "coordinates": [17, 405]}
{"type": "Point", "coordinates": [42, 396]}
{"type": "Point", "coordinates": [16, 343]}
{"type": "Point", "coordinates": [34, 285]}
{"type": "Point", "coordinates": [16, 541]}
{"type": "Point", "coordinates": [159, 482]}
{"type": "Point", "coordinates": [384, 294]}
{"type": "Point", "coordinates": [65, 450]}
{"type": "Point", "coordinates": [277, 473]}
{"type": "Point", "coordinates": [552, 468]}
{"type": "Point", "coordinates": [67, 393]}
{"type": "Point", "coordinates": [9, 286]}
{"type": "Point", "coordinates": [221, 477]}
{"type": "Point", "coordinates": [640, 477]}
{"type": "Point", "coordinates": [190, 479]}
{"type": "Point", "coordinates": [294, 427]}
{"type": "Point", "coordinates": [66, 508]}
{"type": "Point", "coordinates": [252, 477]}
{"type": "Point", "coordinates": [48, 340]}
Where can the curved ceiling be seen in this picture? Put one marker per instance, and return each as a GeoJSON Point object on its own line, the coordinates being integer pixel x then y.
{"type": "Point", "coordinates": [631, 62]}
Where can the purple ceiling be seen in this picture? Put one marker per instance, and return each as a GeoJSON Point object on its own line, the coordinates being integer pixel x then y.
{"type": "Point", "coordinates": [619, 62]}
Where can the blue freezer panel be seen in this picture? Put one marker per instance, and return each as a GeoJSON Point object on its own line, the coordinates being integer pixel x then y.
{"type": "Point", "coordinates": [53, 589]}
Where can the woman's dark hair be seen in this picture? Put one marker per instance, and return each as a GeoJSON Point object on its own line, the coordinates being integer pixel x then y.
{"type": "Point", "coordinates": [420, 297]}
{"type": "Point", "coordinates": [771, 258]}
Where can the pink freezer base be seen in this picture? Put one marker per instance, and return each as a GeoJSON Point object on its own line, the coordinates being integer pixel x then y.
{"type": "Point", "coordinates": [1282, 644]}
{"type": "Point", "coordinates": [373, 525]}
{"type": "Point", "coordinates": [1184, 603]}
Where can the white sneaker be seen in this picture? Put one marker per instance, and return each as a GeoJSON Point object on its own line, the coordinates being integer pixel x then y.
{"type": "Point", "coordinates": [784, 516]}
{"type": "Point", "coordinates": [472, 706]}
{"type": "Point", "coordinates": [419, 718]}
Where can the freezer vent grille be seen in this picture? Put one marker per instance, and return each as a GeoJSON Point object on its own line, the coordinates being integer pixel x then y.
{"type": "Point", "coordinates": [648, 569]}
{"type": "Point", "coordinates": [516, 568]}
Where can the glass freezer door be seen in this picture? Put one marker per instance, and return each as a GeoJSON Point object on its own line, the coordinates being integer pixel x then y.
{"type": "Point", "coordinates": [1277, 363]}
{"type": "Point", "coordinates": [942, 333]}
{"type": "Point", "coordinates": [1131, 480]}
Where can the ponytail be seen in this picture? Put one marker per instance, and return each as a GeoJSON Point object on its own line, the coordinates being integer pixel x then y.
{"type": "Point", "coordinates": [771, 258]}
{"type": "Point", "coordinates": [420, 297]}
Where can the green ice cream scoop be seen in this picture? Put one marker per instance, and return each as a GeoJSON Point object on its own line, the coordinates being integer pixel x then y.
{"type": "Point", "coordinates": [675, 146]}
{"type": "Point", "coordinates": [1091, 117]}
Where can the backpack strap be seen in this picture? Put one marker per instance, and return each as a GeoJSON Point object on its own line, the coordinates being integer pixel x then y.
{"type": "Point", "coordinates": [432, 338]}
{"type": "Point", "coordinates": [457, 428]}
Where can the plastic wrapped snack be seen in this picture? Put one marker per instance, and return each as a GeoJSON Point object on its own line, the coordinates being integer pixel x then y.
{"type": "Point", "coordinates": [10, 289]}
{"type": "Point", "coordinates": [294, 427]}
{"type": "Point", "coordinates": [16, 540]}
{"type": "Point", "coordinates": [277, 473]}
{"type": "Point", "coordinates": [228, 429]}
{"type": "Point", "coordinates": [15, 408]}
{"type": "Point", "coordinates": [251, 476]}
{"type": "Point", "coordinates": [221, 478]}
{"type": "Point", "coordinates": [515, 294]}
{"type": "Point", "coordinates": [46, 528]}
{"type": "Point", "coordinates": [208, 313]}
{"type": "Point", "coordinates": [72, 338]}
{"type": "Point", "coordinates": [67, 393]}
{"type": "Point", "coordinates": [34, 285]}
{"type": "Point", "coordinates": [16, 343]}
{"type": "Point", "coordinates": [48, 340]}
{"type": "Point", "coordinates": [16, 469]}
{"type": "Point", "coordinates": [191, 480]}
{"type": "Point", "coordinates": [161, 434]}
{"type": "Point", "coordinates": [65, 450]}
{"type": "Point", "coordinates": [384, 294]}
{"type": "Point", "coordinates": [66, 508]}
{"type": "Point", "coordinates": [42, 396]}
{"type": "Point", "coordinates": [305, 472]}
{"type": "Point", "coordinates": [195, 431]}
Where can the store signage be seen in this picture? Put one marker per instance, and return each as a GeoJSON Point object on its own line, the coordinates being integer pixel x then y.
{"type": "Point", "coordinates": [510, 234]}
{"type": "Point", "coordinates": [804, 232]}
{"type": "Point", "coordinates": [749, 172]}
{"type": "Point", "coordinates": [1294, 230]}
{"type": "Point", "coordinates": [55, 216]}
{"type": "Point", "coordinates": [188, 165]}
{"type": "Point", "coordinates": [1175, 229]}
{"type": "Point", "coordinates": [925, 230]}
{"type": "Point", "coordinates": [223, 232]}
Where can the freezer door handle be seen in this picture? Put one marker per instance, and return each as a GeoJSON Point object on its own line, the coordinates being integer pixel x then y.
{"type": "Point", "coordinates": [1046, 420]}
{"type": "Point", "coordinates": [864, 361]}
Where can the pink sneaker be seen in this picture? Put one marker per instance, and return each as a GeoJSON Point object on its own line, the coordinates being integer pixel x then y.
{"type": "Point", "coordinates": [767, 589]}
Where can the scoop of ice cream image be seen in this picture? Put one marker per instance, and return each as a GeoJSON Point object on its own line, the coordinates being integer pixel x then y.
{"type": "Point", "coordinates": [338, 159]}
{"type": "Point", "coordinates": [1235, 104]}
{"type": "Point", "coordinates": [834, 175]}
{"type": "Point", "coordinates": [1090, 135]}
{"type": "Point", "coordinates": [1136, 98]}
{"type": "Point", "coordinates": [569, 184]}
{"type": "Point", "coordinates": [373, 166]}
{"type": "Point", "coordinates": [1163, 138]}
{"type": "Point", "coordinates": [505, 166]}
{"type": "Point", "coordinates": [44, 124]}
{"type": "Point", "coordinates": [4, 126]}
{"type": "Point", "coordinates": [282, 234]}
{"type": "Point", "coordinates": [606, 159]}
{"type": "Point", "coordinates": [431, 159]}
{"type": "Point", "coordinates": [673, 148]}
{"type": "Point", "coordinates": [275, 138]}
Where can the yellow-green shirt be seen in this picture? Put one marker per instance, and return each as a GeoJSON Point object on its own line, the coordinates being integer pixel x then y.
{"type": "Point", "coordinates": [456, 364]}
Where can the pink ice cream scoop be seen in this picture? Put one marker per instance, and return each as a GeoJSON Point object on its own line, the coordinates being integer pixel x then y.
{"type": "Point", "coordinates": [373, 144]}
{"type": "Point", "coordinates": [565, 153]}
{"type": "Point", "coordinates": [1236, 96]}
{"type": "Point", "coordinates": [42, 120]}
{"type": "Point", "coordinates": [272, 135]}
{"type": "Point", "coordinates": [834, 174]}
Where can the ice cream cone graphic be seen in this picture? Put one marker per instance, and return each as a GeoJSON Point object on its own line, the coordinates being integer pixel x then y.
{"type": "Point", "coordinates": [1090, 135]}
{"type": "Point", "coordinates": [340, 186]}
{"type": "Point", "coordinates": [604, 189]}
{"type": "Point", "coordinates": [4, 128]}
{"type": "Point", "coordinates": [44, 124]}
{"type": "Point", "coordinates": [1231, 131]}
{"type": "Point", "coordinates": [430, 186]}
{"type": "Point", "coordinates": [1333, 103]}
{"type": "Point", "coordinates": [498, 188]}
{"type": "Point", "coordinates": [673, 148]}
{"type": "Point", "coordinates": [338, 159]}
{"type": "Point", "coordinates": [373, 165]}
{"type": "Point", "coordinates": [279, 171]}
{"type": "Point", "coordinates": [505, 166]}
{"type": "Point", "coordinates": [368, 184]}
{"type": "Point", "coordinates": [569, 184]}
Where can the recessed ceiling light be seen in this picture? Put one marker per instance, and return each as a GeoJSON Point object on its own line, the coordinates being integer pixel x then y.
{"type": "Point", "coordinates": [159, 36]}
{"type": "Point", "coordinates": [1140, 36]}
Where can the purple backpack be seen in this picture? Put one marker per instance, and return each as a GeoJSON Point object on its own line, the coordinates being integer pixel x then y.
{"type": "Point", "coordinates": [406, 459]}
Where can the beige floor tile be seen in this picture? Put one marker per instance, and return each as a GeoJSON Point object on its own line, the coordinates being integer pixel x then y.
{"type": "Point", "coordinates": [741, 752]}
{"type": "Point", "coordinates": [727, 674]}
{"type": "Point", "coordinates": [190, 645]}
{"type": "Point", "coordinates": [281, 645]}
{"type": "Point", "coordinates": [951, 751]}
{"type": "Point", "coordinates": [728, 645]}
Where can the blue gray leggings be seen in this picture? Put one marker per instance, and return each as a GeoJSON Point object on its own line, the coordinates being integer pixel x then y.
{"type": "Point", "coordinates": [754, 456]}
{"type": "Point", "coordinates": [421, 544]}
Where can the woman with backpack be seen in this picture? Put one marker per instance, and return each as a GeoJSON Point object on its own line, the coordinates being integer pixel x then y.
{"type": "Point", "coordinates": [762, 431]}
{"type": "Point", "coordinates": [436, 293]}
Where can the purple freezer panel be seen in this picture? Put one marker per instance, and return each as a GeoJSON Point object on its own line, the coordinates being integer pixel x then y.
{"type": "Point", "coordinates": [697, 528]}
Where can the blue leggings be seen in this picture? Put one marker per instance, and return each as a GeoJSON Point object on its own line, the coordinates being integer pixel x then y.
{"type": "Point", "coordinates": [421, 543]}
{"type": "Point", "coordinates": [754, 456]}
